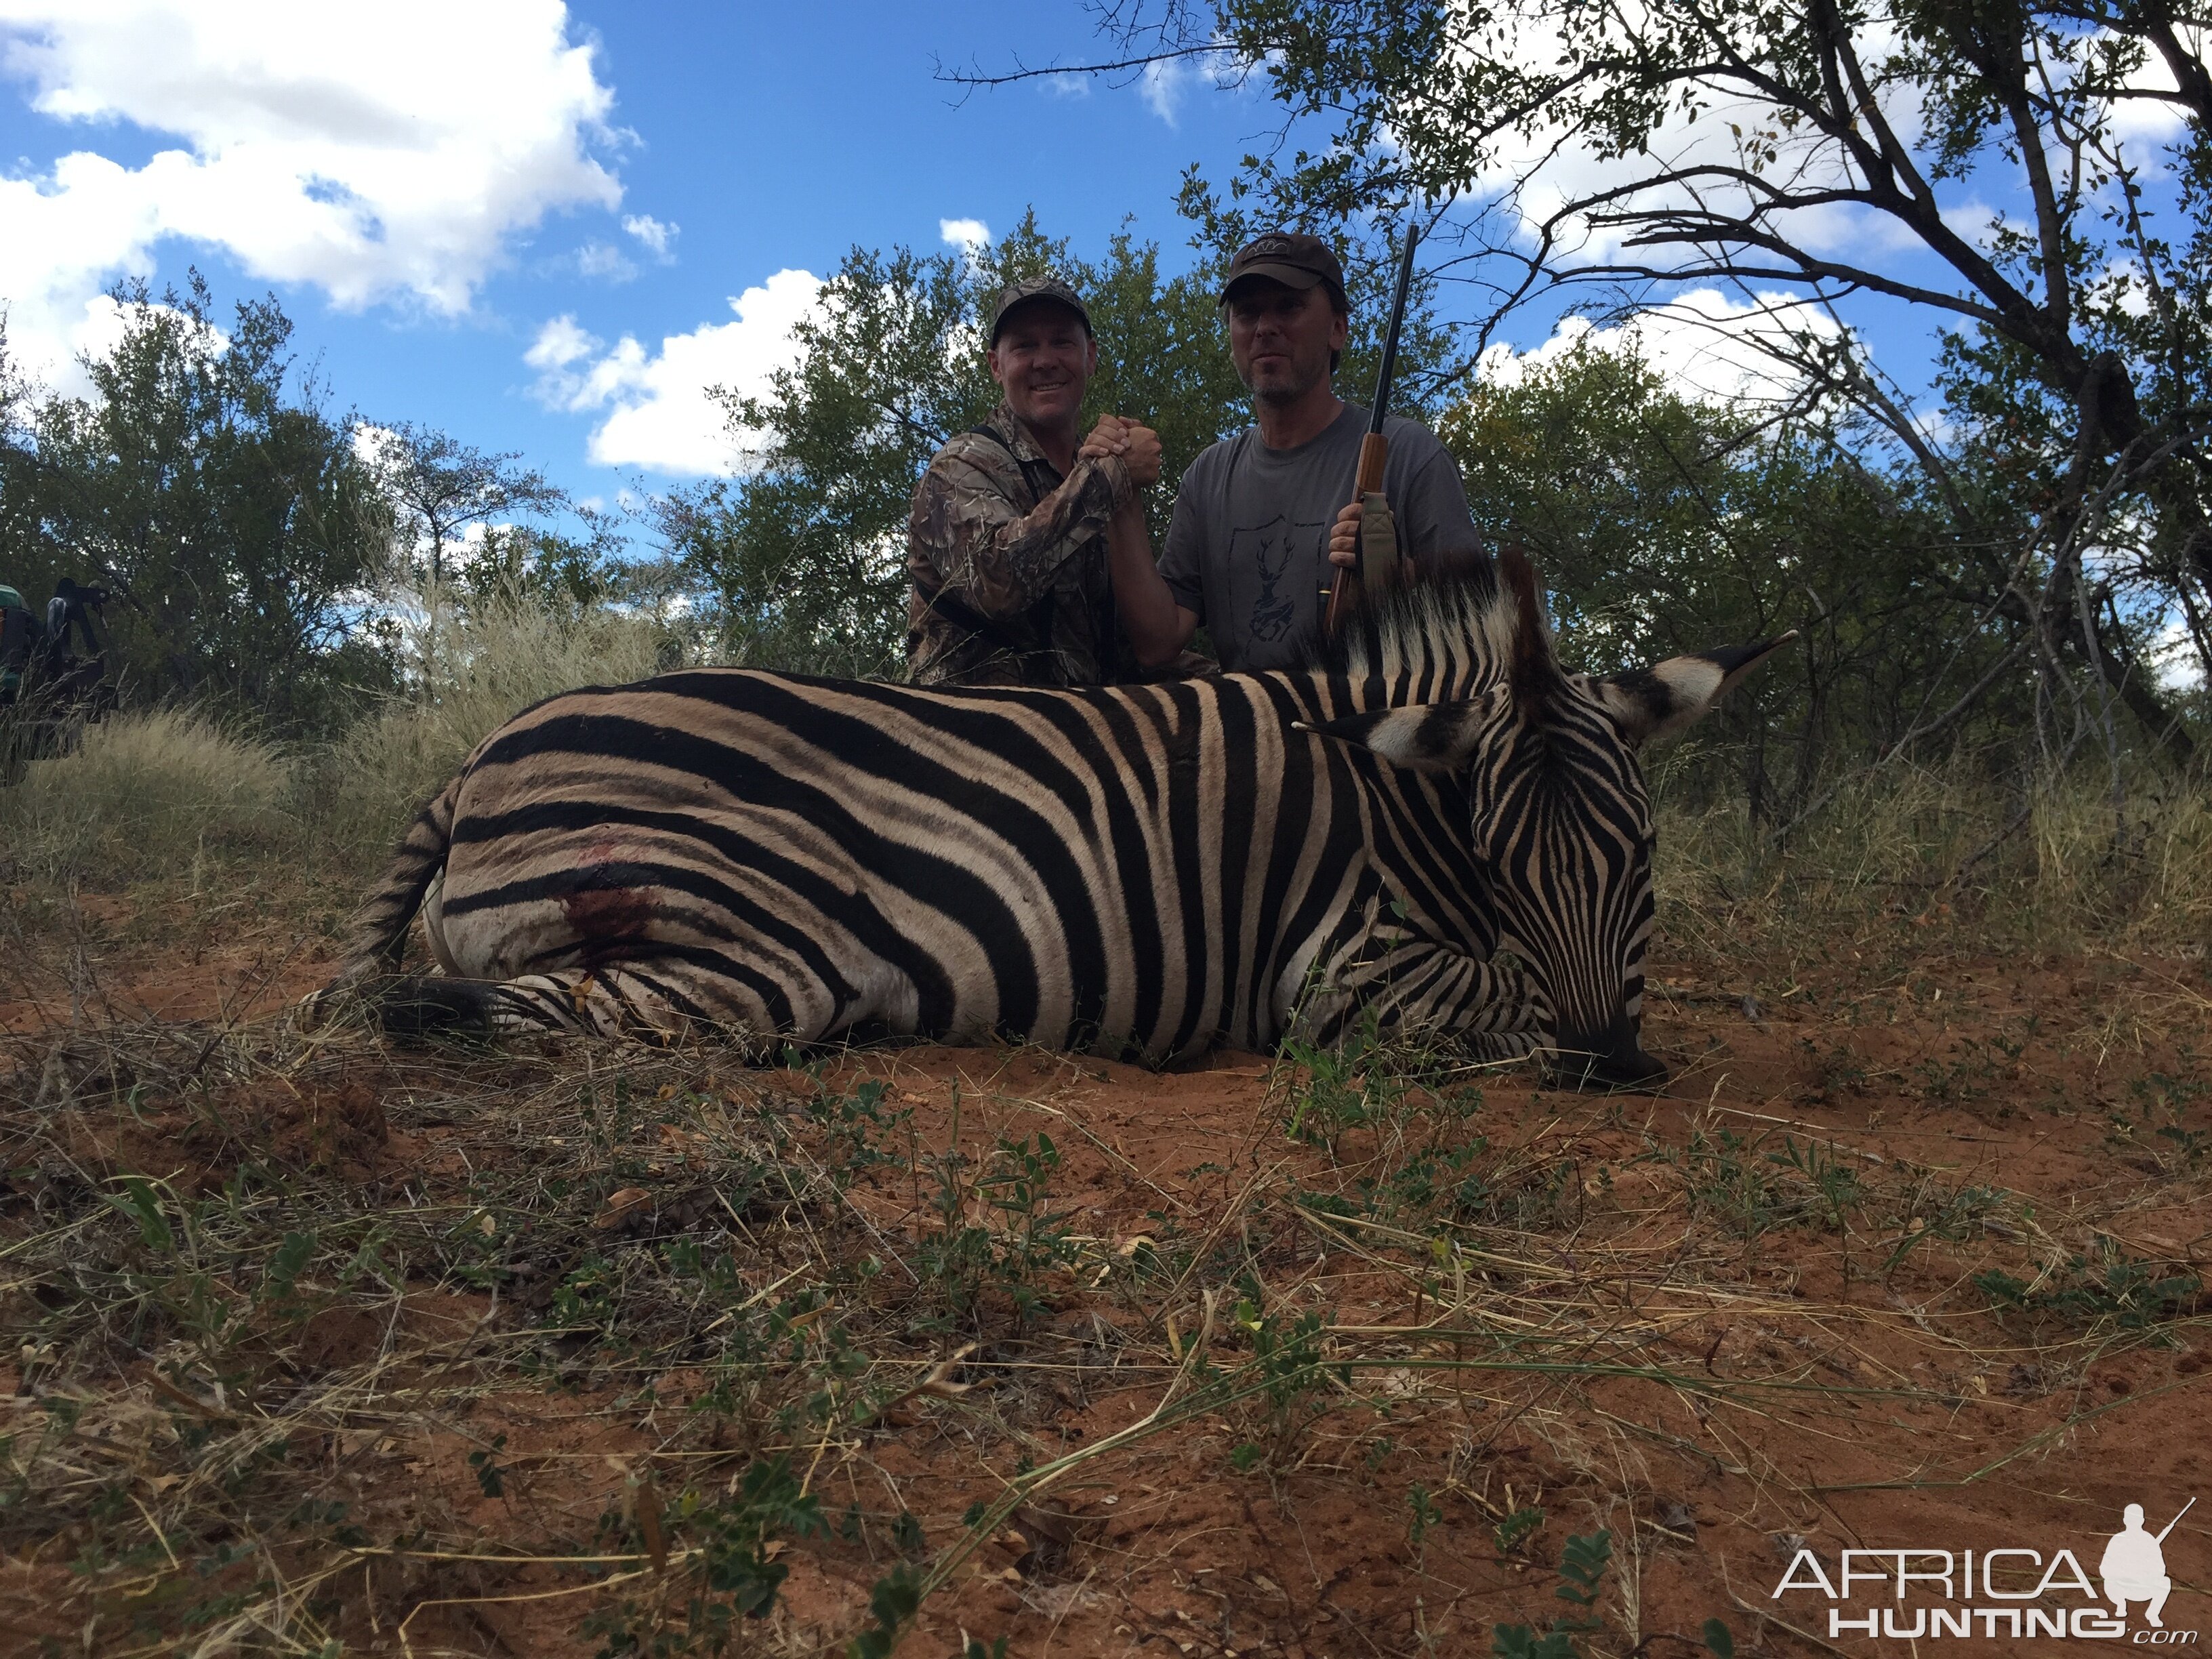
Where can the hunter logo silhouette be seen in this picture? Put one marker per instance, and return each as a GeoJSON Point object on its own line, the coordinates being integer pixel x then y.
{"type": "Point", "coordinates": [2134, 1566]}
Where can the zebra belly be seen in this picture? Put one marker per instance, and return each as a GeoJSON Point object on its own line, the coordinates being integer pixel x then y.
{"type": "Point", "coordinates": [853, 950]}
{"type": "Point", "coordinates": [1145, 871]}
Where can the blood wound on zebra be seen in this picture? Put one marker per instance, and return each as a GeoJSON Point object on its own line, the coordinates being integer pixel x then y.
{"type": "Point", "coordinates": [1436, 831]}
{"type": "Point", "coordinates": [610, 923]}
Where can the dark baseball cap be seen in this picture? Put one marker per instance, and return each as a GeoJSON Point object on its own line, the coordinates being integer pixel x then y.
{"type": "Point", "coordinates": [1035, 288]}
{"type": "Point", "coordinates": [1285, 256]}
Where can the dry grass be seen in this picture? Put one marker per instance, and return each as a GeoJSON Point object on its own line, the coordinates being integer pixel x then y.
{"type": "Point", "coordinates": [147, 794]}
{"type": "Point", "coordinates": [156, 795]}
{"type": "Point", "coordinates": [2066, 869]}
{"type": "Point", "coordinates": [323, 1345]}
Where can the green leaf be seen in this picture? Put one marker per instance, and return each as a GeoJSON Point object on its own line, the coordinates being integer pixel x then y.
{"type": "Point", "coordinates": [140, 1203]}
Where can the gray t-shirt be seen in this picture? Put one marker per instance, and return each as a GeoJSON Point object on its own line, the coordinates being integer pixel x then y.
{"type": "Point", "coordinates": [1248, 548]}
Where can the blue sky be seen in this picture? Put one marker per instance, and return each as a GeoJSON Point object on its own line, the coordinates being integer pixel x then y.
{"type": "Point", "coordinates": [745, 141]}
{"type": "Point", "coordinates": [546, 228]}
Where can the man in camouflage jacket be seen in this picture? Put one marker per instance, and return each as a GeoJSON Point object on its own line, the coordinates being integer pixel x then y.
{"type": "Point", "coordinates": [1016, 531]}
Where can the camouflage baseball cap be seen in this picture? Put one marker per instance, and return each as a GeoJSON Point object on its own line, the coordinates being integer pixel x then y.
{"type": "Point", "coordinates": [1285, 256]}
{"type": "Point", "coordinates": [1035, 287]}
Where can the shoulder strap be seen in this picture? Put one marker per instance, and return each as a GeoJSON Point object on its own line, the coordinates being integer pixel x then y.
{"type": "Point", "coordinates": [958, 611]}
{"type": "Point", "coordinates": [1040, 486]}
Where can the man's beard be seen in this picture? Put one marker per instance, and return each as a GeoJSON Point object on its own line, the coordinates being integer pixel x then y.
{"type": "Point", "coordinates": [1283, 393]}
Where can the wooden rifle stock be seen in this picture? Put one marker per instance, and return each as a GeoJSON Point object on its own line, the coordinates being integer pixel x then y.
{"type": "Point", "coordinates": [1348, 588]}
{"type": "Point", "coordinates": [1346, 592]}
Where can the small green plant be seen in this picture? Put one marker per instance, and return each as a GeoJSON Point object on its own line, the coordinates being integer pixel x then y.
{"type": "Point", "coordinates": [968, 1260]}
{"type": "Point", "coordinates": [860, 1134]}
{"type": "Point", "coordinates": [1835, 1186]}
{"type": "Point", "coordinates": [1837, 1068]}
{"type": "Point", "coordinates": [491, 1477]}
{"type": "Point", "coordinates": [1422, 1518]}
{"type": "Point", "coordinates": [1516, 1529]}
{"type": "Point", "coordinates": [732, 1575]}
{"type": "Point", "coordinates": [1030, 1240]}
{"type": "Point", "coordinates": [1341, 1091]}
{"type": "Point", "coordinates": [1724, 1180]}
{"type": "Point", "coordinates": [1378, 1079]}
{"type": "Point", "coordinates": [2116, 1290]}
{"type": "Point", "coordinates": [2158, 1095]}
{"type": "Point", "coordinates": [1294, 1374]}
{"type": "Point", "coordinates": [1933, 1210]}
{"type": "Point", "coordinates": [892, 1604]}
{"type": "Point", "coordinates": [1583, 1567]}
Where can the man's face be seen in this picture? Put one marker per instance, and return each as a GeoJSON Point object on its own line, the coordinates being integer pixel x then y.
{"type": "Point", "coordinates": [1280, 337]}
{"type": "Point", "coordinates": [1043, 360]}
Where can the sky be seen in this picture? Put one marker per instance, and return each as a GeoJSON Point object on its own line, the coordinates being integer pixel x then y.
{"type": "Point", "coordinates": [547, 229]}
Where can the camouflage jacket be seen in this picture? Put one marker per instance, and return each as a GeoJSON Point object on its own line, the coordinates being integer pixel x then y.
{"type": "Point", "coordinates": [1006, 562]}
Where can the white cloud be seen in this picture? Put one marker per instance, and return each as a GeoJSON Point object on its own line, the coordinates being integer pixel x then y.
{"type": "Point", "coordinates": [1161, 87]}
{"type": "Point", "coordinates": [1704, 342]}
{"type": "Point", "coordinates": [605, 262]}
{"type": "Point", "coordinates": [658, 413]}
{"type": "Point", "coordinates": [971, 236]}
{"type": "Point", "coordinates": [657, 236]}
{"type": "Point", "coordinates": [375, 152]}
{"type": "Point", "coordinates": [1070, 86]}
{"type": "Point", "coordinates": [559, 344]}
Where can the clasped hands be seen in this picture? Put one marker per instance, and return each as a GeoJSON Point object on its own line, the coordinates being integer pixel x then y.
{"type": "Point", "coordinates": [1139, 446]}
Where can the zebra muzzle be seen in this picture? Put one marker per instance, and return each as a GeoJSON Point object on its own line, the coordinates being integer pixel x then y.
{"type": "Point", "coordinates": [1615, 1060]}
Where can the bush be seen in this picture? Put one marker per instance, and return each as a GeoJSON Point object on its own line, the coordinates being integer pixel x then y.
{"type": "Point", "coordinates": [144, 794]}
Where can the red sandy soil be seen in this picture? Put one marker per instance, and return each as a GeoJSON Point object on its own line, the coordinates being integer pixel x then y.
{"type": "Point", "coordinates": [1761, 1402]}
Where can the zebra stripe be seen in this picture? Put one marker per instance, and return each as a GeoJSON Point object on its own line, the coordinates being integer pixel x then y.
{"type": "Point", "coordinates": [1147, 871]}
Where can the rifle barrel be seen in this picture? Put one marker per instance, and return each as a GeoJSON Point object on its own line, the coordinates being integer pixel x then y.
{"type": "Point", "coordinates": [2176, 1521]}
{"type": "Point", "coordinates": [1389, 370]}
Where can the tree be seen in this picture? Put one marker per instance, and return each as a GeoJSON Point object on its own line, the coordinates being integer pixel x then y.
{"type": "Point", "coordinates": [804, 552]}
{"type": "Point", "coordinates": [1667, 523]}
{"type": "Point", "coordinates": [1801, 156]}
{"type": "Point", "coordinates": [807, 551]}
{"type": "Point", "coordinates": [441, 486]}
{"type": "Point", "coordinates": [567, 571]}
{"type": "Point", "coordinates": [204, 483]}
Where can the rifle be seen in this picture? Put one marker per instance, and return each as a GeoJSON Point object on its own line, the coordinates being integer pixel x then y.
{"type": "Point", "coordinates": [2176, 1521]}
{"type": "Point", "coordinates": [1349, 588]}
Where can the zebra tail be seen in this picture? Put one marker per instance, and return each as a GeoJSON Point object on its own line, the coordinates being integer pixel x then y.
{"type": "Point", "coordinates": [378, 934]}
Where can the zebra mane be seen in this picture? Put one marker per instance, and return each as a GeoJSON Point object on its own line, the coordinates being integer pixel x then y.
{"type": "Point", "coordinates": [1446, 638]}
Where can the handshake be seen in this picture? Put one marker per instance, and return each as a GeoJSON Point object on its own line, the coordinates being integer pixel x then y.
{"type": "Point", "coordinates": [1139, 446]}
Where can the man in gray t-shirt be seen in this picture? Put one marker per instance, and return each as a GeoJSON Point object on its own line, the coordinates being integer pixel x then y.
{"type": "Point", "coordinates": [1248, 548]}
{"type": "Point", "coordinates": [1260, 516]}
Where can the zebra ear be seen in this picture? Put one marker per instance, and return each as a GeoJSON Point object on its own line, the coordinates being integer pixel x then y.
{"type": "Point", "coordinates": [1434, 737]}
{"type": "Point", "coordinates": [1660, 702]}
